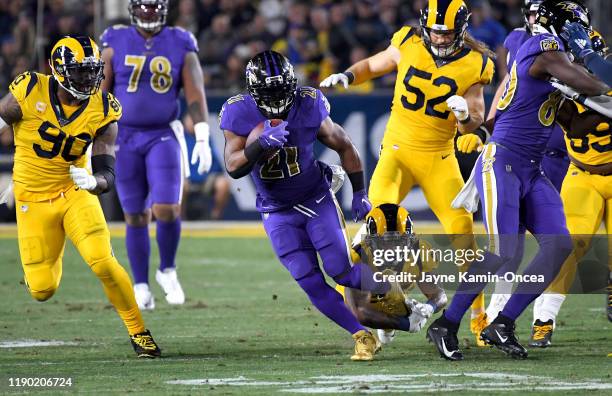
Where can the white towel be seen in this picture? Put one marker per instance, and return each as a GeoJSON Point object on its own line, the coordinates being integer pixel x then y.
{"type": "Point", "coordinates": [468, 197]}
{"type": "Point", "coordinates": [179, 133]}
{"type": "Point", "coordinates": [6, 195]}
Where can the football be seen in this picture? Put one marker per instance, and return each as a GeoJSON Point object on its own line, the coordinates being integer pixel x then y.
{"type": "Point", "coordinates": [256, 132]}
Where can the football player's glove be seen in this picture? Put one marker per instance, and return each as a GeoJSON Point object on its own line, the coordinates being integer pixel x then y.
{"type": "Point", "coordinates": [469, 142]}
{"type": "Point", "coordinates": [578, 40]}
{"type": "Point", "coordinates": [201, 150]}
{"type": "Point", "coordinates": [459, 107]}
{"type": "Point", "coordinates": [273, 137]}
{"type": "Point", "coordinates": [360, 205]}
{"type": "Point", "coordinates": [82, 179]}
{"type": "Point", "coordinates": [335, 79]}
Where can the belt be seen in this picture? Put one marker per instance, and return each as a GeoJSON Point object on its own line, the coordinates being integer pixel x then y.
{"type": "Point", "coordinates": [601, 170]}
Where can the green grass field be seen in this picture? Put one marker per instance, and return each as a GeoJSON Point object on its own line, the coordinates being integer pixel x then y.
{"type": "Point", "coordinates": [248, 328]}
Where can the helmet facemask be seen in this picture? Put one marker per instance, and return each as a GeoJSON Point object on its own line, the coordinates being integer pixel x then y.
{"type": "Point", "coordinates": [80, 78]}
{"type": "Point", "coordinates": [149, 15]}
{"type": "Point", "coordinates": [444, 50]}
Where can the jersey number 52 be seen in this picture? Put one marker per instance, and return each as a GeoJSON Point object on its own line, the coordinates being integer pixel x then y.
{"type": "Point", "coordinates": [420, 95]}
{"type": "Point", "coordinates": [160, 68]}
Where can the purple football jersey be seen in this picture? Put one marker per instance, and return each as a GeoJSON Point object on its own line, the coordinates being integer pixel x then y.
{"type": "Point", "coordinates": [293, 175]}
{"type": "Point", "coordinates": [147, 73]}
{"type": "Point", "coordinates": [527, 110]}
{"type": "Point", "coordinates": [513, 42]}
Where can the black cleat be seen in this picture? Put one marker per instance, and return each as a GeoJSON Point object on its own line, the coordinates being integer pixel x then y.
{"type": "Point", "coordinates": [445, 339]}
{"type": "Point", "coordinates": [609, 299]}
{"type": "Point", "coordinates": [502, 337]}
{"type": "Point", "coordinates": [145, 345]}
{"type": "Point", "coordinates": [541, 334]}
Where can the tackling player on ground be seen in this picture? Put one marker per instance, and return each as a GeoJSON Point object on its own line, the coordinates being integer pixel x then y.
{"type": "Point", "coordinates": [145, 67]}
{"type": "Point", "coordinates": [55, 119]}
{"type": "Point", "coordinates": [441, 74]}
{"type": "Point", "coordinates": [511, 185]}
{"type": "Point", "coordinates": [300, 213]}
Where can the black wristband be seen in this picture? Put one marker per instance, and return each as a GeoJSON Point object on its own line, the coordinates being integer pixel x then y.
{"type": "Point", "coordinates": [482, 133]}
{"type": "Point", "coordinates": [104, 165]}
{"type": "Point", "coordinates": [357, 181]}
{"type": "Point", "coordinates": [350, 76]}
{"type": "Point", "coordinates": [253, 151]}
{"type": "Point", "coordinates": [466, 121]}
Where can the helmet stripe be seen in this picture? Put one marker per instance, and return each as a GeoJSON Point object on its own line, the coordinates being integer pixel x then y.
{"type": "Point", "coordinates": [442, 11]}
{"type": "Point", "coordinates": [451, 13]}
{"type": "Point", "coordinates": [86, 44]}
{"type": "Point", "coordinates": [433, 11]}
{"type": "Point", "coordinates": [265, 56]}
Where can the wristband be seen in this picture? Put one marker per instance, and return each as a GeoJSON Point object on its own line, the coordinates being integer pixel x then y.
{"type": "Point", "coordinates": [357, 180]}
{"type": "Point", "coordinates": [253, 151]}
{"type": "Point", "coordinates": [104, 165]}
{"type": "Point", "coordinates": [350, 76]}
{"type": "Point", "coordinates": [482, 133]}
{"type": "Point", "coordinates": [403, 323]}
{"type": "Point", "coordinates": [466, 121]}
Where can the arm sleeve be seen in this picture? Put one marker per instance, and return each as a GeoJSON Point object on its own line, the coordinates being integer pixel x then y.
{"type": "Point", "coordinates": [600, 67]}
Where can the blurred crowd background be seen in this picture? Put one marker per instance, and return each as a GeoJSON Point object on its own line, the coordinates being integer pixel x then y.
{"type": "Point", "coordinates": [318, 36]}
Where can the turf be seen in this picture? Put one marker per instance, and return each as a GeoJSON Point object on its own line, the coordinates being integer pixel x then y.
{"type": "Point", "coordinates": [247, 328]}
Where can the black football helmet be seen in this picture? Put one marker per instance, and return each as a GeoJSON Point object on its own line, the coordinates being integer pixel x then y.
{"type": "Point", "coordinates": [272, 83]}
{"type": "Point", "coordinates": [444, 17]}
{"type": "Point", "coordinates": [148, 15]}
{"type": "Point", "coordinates": [530, 7]}
{"type": "Point", "coordinates": [553, 15]}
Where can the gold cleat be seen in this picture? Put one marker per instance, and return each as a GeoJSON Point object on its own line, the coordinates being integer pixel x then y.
{"type": "Point", "coordinates": [365, 346]}
{"type": "Point", "coordinates": [477, 325]}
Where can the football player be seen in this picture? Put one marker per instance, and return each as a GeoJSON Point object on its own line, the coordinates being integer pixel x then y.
{"type": "Point", "coordinates": [146, 65]}
{"type": "Point", "coordinates": [587, 200]}
{"type": "Point", "coordinates": [300, 214]}
{"type": "Point", "coordinates": [582, 48]}
{"type": "Point", "coordinates": [511, 185]}
{"type": "Point", "coordinates": [55, 119]}
{"type": "Point", "coordinates": [392, 224]}
{"type": "Point", "coordinates": [441, 73]}
{"type": "Point", "coordinates": [554, 163]}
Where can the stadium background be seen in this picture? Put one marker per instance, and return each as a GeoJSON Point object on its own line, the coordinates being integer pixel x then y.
{"type": "Point", "coordinates": [319, 37]}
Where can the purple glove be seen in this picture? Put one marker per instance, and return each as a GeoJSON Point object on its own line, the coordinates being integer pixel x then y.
{"type": "Point", "coordinates": [361, 205]}
{"type": "Point", "coordinates": [273, 137]}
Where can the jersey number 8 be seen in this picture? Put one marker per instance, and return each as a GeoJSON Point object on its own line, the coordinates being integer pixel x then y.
{"type": "Point", "coordinates": [160, 68]}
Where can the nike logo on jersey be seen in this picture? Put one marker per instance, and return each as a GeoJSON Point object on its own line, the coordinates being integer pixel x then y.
{"type": "Point", "coordinates": [320, 199]}
{"type": "Point", "coordinates": [445, 156]}
{"type": "Point", "coordinates": [502, 339]}
{"type": "Point", "coordinates": [164, 138]}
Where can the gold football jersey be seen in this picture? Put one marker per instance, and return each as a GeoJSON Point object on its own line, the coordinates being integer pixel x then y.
{"type": "Point", "coordinates": [49, 138]}
{"type": "Point", "coordinates": [420, 118]}
{"type": "Point", "coordinates": [593, 149]}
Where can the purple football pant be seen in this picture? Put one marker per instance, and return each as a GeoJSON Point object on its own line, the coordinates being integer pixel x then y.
{"type": "Point", "coordinates": [515, 195]}
{"type": "Point", "coordinates": [316, 226]}
{"type": "Point", "coordinates": [554, 166]}
{"type": "Point", "coordinates": [149, 172]}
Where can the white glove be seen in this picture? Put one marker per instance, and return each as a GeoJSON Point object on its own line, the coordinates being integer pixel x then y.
{"type": "Point", "coordinates": [419, 315]}
{"type": "Point", "coordinates": [82, 179]}
{"type": "Point", "coordinates": [201, 150]}
{"type": "Point", "coordinates": [334, 79]}
{"type": "Point", "coordinates": [459, 106]}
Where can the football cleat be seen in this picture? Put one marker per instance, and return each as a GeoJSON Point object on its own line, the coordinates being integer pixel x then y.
{"type": "Point", "coordinates": [541, 334]}
{"type": "Point", "coordinates": [385, 336]}
{"type": "Point", "coordinates": [609, 299]}
{"type": "Point", "coordinates": [171, 286]}
{"type": "Point", "coordinates": [445, 340]}
{"type": "Point", "coordinates": [144, 298]}
{"type": "Point", "coordinates": [144, 345]}
{"type": "Point", "coordinates": [502, 336]}
{"type": "Point", "coordinates": [477, 325]}
{"type": "Point", "coordinates": [365, 346]}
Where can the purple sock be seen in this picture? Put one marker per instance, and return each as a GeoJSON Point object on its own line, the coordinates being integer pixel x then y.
{"type": "Point", "coordinates": [361, 277]}
{"type": "Point", "coordinates": [168, 236]}
{"type": "Point", "coordinates": [138, 249]}
{"type": "Point", "coordinates": [329, 302]}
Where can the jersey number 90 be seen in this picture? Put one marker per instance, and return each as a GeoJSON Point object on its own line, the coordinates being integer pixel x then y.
{"type": "Point", "coordinates": [160, 68]}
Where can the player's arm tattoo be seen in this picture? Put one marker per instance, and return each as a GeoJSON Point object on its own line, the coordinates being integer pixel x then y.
{"type": "Point", "coordinates": [476, 105]}
{"type": "Point", "coordinates": [577, 125]}
{"type": "Point", "coordinates": [193, 85]}
{"type": "Point", "coordinates": [103, 158]}
{"type": "Point", "coordinates": [10, 110]}
{"type": "Point", "coordinates": [237, 163]}
{"type": "Point", "coordinates": [558, 65]}
{"type": "Point", "coordinates": [358, 301]}
{"type": "Point", "coordinates": [107, 57]}
{"type": "Point", "coordinates": [335, 137]}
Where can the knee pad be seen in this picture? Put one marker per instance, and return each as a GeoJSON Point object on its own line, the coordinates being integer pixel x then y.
{"type": "Point", "coordinates": [42, 295]}
{"type": "Point", "coordinates": [103, 268]}
{"type": "Point", "coordinates": [42, 289]}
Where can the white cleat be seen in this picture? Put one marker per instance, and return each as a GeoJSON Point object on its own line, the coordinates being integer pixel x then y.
{"type": "Point", "coordinates": [385, 336]}
{"type": "Point", "coordinates": [171, 286]}
{"type": "Point", "coordinates": [497, 304]}
{"type": "Point", "coordinates": [144, 298]}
